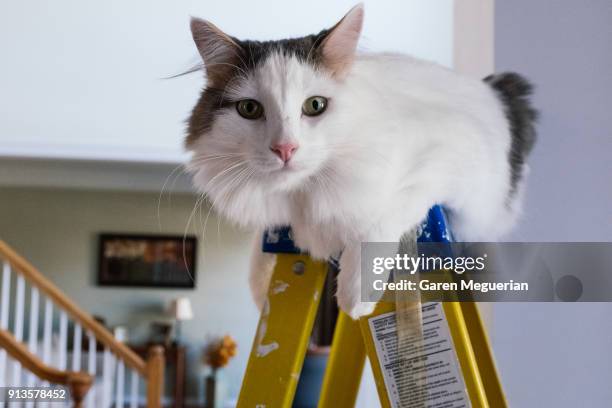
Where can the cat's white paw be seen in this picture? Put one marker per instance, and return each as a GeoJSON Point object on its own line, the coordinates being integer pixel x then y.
{"type": "Point", "coordinates": [259, 297]}
{"type": "Point", "coordinates": [354, 307]}
{"type": "Point", "coordinates": [262, 267]}
{"type": "Point", "coordinates": [260, 279]}
{"type": "Point", "coordinates": [349, 284]}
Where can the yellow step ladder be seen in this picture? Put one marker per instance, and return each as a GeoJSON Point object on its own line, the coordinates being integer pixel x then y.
{"type": "Point", "coordinates": [455, 349]}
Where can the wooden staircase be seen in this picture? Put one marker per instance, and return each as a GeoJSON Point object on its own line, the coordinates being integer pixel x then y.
{"type": "Point", "coordinates": [90, 383]}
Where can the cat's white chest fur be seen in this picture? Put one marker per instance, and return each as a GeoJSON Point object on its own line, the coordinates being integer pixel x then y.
{"type": "Point", "coordinates": [320, 241]}
{"type": "Point", "coordinates": [328, 217]}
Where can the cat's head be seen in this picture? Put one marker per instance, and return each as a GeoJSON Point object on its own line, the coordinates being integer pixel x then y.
{"type": "Point", "coordinates": [269, 114]}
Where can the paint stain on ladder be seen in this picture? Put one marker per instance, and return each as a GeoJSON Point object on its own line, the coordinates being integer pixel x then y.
{"type": "Point", "coordinates": [263, 350]}
{"type": "Point", "coordinates": [279, 287]}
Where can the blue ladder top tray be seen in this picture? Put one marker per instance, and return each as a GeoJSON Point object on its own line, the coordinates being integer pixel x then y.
{"type": "Point", "coordinates": [434, 229]}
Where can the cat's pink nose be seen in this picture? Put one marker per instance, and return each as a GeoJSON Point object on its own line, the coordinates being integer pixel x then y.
{"type": "Point", "coordinates": [284, 150]}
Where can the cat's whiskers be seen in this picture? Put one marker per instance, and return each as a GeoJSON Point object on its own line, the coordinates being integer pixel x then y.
{"type": "Point", "coordinates": [197, 207]}
{"type": "Point", "coordinates": [220, 174]}
{"type": "Point", "coordinates": [219, 195]}
{"type": "Point", "coordinates": [206, 192]}
{"type": "Point", "coordinates": [222, 194]}
{"type": "Point", "coordinates": [231, 187]}
{"type": "Point", "coordinates": [210, 185]}
{"type": "Point", "coordinates": [161, 193]}
{"type": "Point", "coordinates": [204, 159]}
{"type": "Point", "coordinates": [199, 199]}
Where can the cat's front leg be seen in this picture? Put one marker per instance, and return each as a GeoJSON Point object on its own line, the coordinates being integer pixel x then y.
{"type": "Point", "coordinates": [351, 298]}
{"type": "Point", "coordinates": [349, 283]}
{"type": "Point", "coordinates": [262, 267]}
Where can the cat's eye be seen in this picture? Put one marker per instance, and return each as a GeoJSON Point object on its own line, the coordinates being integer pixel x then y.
{"type": "Point", "coordinates": [249, 109]}
{"type": "Point", "coordinates": [315, 105]}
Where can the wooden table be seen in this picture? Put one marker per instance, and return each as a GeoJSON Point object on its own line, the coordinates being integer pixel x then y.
{"type": "Point", "coordinates": [175, 356]}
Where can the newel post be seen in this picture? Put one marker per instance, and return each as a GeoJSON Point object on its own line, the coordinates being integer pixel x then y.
{"type": "Point", "coordinates": [79, 384]}
{"type": "Point", "coordinates": [155, 376]}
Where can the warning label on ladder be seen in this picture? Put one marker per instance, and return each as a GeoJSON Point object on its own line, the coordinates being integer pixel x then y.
{"type": "Point", "coordinates": [424, 372]}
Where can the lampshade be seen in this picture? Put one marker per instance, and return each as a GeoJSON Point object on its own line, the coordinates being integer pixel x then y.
{"type": "Point", "coordinates": [121, 333]}
{"type": "Point", "coordinates": [180, 309]}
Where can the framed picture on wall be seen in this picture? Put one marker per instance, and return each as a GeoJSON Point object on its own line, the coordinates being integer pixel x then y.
{"type": "Point", "coordinates": [161, 261]}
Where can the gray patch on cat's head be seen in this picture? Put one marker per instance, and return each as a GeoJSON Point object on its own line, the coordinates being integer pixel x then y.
{"type": "Point", "coordinates": [306, 49]}
{"type": "Point", "coordinates": [247, 57]}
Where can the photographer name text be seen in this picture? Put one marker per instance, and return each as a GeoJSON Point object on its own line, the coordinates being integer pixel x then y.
{"type": "Point", "coordinates": [471, 285]}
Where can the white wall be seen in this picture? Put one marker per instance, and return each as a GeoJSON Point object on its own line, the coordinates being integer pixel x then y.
{"type": "Point", "coordinates": [57, 231]}
{"type": "Point", "coordinates": [558, 355]}
{"type": "Point", "coordinates": [83, 79]}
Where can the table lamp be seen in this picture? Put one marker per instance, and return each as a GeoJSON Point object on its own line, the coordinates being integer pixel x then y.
{"type": "Point", "coordinates": [181, 310]}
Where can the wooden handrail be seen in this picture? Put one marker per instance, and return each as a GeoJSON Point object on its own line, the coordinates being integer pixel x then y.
{"type": "Point", "coordinates": [78, 382]}
{"type": "Point", "coordinates": [102, 334]}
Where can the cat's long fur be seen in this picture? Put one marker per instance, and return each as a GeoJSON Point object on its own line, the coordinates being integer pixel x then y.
{"type": "Point", "coordinates": [398, 136]}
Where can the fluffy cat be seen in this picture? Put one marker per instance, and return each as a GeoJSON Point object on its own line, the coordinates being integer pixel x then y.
{"type": "Point", "coordinates": [348, 147]}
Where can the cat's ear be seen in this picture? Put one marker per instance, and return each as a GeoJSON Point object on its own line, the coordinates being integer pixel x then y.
{"type": "Point", "coordinates": [339, 46]}
{"type": "Point", "coordinates": [218, 50]}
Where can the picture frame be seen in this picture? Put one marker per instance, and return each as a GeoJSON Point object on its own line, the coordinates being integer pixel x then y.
{"type": "Point", "coordinates": [142, 260]}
